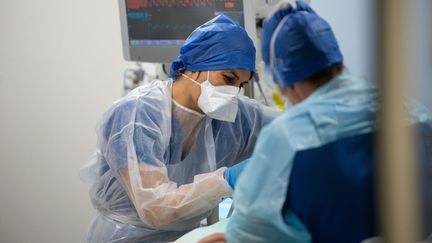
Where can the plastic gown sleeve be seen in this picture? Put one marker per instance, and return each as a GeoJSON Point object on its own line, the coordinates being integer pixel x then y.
{"type": "Point", "coordinates": [134, 147]}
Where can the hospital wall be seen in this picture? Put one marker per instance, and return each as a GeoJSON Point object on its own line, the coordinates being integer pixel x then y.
{"type": "Point", "coordinates": [421, 51]}
{"type": "Point", "coordinates": [60, 68]}
{"type": "Point", "coordinates": [353, 23]}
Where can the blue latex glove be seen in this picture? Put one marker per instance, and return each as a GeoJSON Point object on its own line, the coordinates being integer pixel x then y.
{"type": "Point", "coordinates": [232, 173]}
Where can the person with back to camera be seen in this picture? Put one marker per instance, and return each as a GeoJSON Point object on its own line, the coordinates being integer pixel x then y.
{"type": "Point", "coordinates": [311, 175]}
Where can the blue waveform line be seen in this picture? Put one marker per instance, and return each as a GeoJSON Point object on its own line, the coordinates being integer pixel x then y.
{"type": "Point", "coordinates": [139, 15]}
{"type": "Point", "coordinates": [176, 27]}
{"type": "Point", "coordinates": [139, 4]}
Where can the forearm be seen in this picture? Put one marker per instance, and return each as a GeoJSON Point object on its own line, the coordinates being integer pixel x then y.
{"type": "Point", "coordinates": [160, 202]}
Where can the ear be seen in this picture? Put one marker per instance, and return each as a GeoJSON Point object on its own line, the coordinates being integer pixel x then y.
{"type": "Point", "coordinates": [196, 75]}
{"type": "Point", "coordinates": [192, 74]}
{"type": "Point", "coordinates": [290, 92]}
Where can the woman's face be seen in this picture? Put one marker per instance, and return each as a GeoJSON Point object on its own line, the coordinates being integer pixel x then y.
{"type": "Point", "coordinates": [235, 78]}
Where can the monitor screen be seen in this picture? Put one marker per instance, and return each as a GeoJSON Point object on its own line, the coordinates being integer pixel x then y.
{"type": "Point", "coordinates": [154, 30]}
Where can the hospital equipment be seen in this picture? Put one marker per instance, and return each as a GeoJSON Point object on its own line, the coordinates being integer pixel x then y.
{"type": "Point", "coordinates": [154, 30]}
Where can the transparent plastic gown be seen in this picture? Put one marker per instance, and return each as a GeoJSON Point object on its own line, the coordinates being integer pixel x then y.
{"type": "Point", "coordinates": [158, 168]}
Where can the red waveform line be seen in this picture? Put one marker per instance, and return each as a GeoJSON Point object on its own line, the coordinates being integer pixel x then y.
{"type": "Point", "coordinates": [139, 4]}
{"type": "Point", "coordinates": [136, 4]}
{"type": "Point", "coordinates": [229, 5]}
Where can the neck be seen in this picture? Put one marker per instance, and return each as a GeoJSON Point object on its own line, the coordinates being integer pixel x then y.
{"type": "Point", "coordinates": [299, 92]}
{"type": "Point", "coordinates": [182, 93]}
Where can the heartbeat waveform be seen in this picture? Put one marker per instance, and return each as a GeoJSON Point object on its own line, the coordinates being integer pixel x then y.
{"type": "Point", "coordinates": [177, 27]}
{"type": "Point", "coordinates": [139, 4]}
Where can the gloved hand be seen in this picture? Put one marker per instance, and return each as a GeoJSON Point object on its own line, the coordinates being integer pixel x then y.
{"type": "Point", "coordinates": [232, 173]}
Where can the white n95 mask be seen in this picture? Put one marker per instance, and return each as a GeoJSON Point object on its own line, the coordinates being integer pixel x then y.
{"type": "Point", "coordinates": [217, 102]}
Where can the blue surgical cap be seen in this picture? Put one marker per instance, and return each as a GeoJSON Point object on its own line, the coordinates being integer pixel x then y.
{"type": "Point", "coordinates": [216, 45]}
{"type": "Point", "coordinates": [297, 43]}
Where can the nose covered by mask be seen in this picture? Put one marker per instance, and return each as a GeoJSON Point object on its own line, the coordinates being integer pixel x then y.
{"type": "Point", "coordinates": [217, 102]}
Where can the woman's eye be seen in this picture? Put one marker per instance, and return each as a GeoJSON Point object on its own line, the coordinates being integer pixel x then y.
{"type": "Point", "coordinates": [229, 79]}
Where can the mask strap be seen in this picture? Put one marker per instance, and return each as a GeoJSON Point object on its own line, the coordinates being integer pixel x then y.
{"type": "Point", "coordinates": [208, 75]}
{"type": "Point", "coordinates": [275, 34]}
{"type": "Point", "coordinates": [194, 81]}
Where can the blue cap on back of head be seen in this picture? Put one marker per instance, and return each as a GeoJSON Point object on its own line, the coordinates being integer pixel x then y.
{"type": "Point", "coordinates": [296, 43]}
{"type": "Point", "coordinates": [218, 44]}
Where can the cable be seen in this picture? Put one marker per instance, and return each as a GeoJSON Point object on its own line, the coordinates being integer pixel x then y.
{"type": "Point", "coordinates": [164, 69]}
{"type": "Point", "coordinates": [257, 79]}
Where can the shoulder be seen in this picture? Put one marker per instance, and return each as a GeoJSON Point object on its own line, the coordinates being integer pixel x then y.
{"type": "Point", "coordinates": [294, 127]}
{"type": "Point", "coordinates": [252, 108]}
{"type": "Point", "coordinates": [248, 103]}
{"type": "Point", "coordinates": [147, 103]}
{"type": "Point", "coordinates": [154, 96]}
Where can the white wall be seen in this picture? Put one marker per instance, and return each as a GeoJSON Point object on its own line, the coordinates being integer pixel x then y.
{"type": "Point", "coordinates": [60, 68]}
{"type": "Point", "coordinates": [353, 24]}
{"type": "Point", "coordinates": [421, 50]}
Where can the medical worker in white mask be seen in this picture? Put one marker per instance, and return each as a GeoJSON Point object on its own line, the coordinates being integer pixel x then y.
{"type": "Point", "coordinates": [166, 152]}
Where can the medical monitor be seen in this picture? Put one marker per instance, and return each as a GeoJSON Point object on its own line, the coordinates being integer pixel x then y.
{"type": "Point", "coordinates": [154, 30]}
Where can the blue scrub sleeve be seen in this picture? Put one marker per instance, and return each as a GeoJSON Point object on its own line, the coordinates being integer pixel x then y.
{"type": "Point", "coordinates": [260, 195]}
